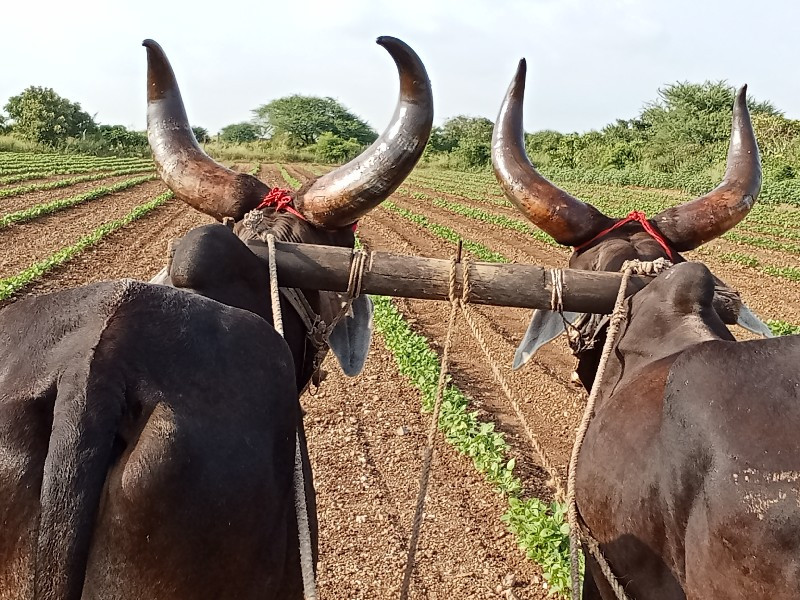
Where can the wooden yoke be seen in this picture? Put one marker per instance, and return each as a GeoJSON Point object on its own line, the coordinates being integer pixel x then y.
{"type": "Point", "coordinates": [311, 267]}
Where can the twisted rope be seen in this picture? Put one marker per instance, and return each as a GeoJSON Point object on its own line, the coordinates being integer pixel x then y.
{"type": "Point", "coordinates": [576, 530]}
{"type": "Point", "coordinates": [554, 481]}
{"type": "Point", "coordinates": [300, 506]}
{"type": "Point", "coordinates": [274, 290]}
{"type": "Point", "coordinates": [428, 456]}
{"type": "Point", "coordinates": [556, 290]}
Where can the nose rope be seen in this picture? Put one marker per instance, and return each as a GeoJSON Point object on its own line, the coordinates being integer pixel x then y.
{"type": "Point", "coordinates": [640, 218]}
{"type": "Point", "coordinates": [281, 200]}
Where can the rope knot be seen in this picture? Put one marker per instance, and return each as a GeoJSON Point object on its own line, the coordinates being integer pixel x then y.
{"type": "Point", "coordinates": [280, 199]}
{"type": "Point", "coordinates": [646, 267]}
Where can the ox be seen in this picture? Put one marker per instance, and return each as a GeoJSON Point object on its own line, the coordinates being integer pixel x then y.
{"type": "Point", "coordinates": [147, 433]}
{"type": "Point", "coordinates": [689, 476]}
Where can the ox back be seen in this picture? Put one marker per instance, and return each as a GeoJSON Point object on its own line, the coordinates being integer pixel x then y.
{"type": "Point", "coordinates": [146, 448]}
{"type": "Point", "coordinates": [689, 475]}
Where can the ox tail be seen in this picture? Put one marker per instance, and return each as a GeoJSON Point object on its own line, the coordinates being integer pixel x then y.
{"type": "Point", "coordinates": [86, 416]}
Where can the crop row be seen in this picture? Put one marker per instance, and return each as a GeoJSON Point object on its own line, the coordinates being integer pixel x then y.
{"type": "Point", "coordinates": [28, 175]}
{"type": "Point", "coordinates": [772, 192]}
{"type": "Point", "coordinates": [482, 215]}
{"type": "Point", "coordinates": [61, 183]}
{"type": "Point", "coordinates": [64, 161]}
{"type": "Point", "coordinates": [13, 159]}
{"type": "Point", "coordinates": [612, 198]}
{"type": "Point", "coordinates": [620, 201]}
{"type": "Point", "coordinates": [11, 285]}
{"type": "Point", "coordinates": [746, 260]}
{"type": "Point", "coordinates": [39, 210]}
{"type": "Point", "coordinates": [36, 168]}
{"type": "Point", "coordinates": [287, 177]}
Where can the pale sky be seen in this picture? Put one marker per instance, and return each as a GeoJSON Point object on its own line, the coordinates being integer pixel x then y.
{"type": "Point", "coordinates": [589, 61]}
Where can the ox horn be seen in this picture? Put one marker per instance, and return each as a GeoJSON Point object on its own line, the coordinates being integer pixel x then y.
{"type": "Point", "coordinates": [563, 217]}
{"type": "Point", "coordinates": [188, 171]}
{"type": "Point", "coordinates": [340, 197]}
{"type": "Point", "coordinates": [689, 225]}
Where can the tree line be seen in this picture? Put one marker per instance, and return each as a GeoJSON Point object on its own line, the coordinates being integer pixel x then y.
{"type": "Point", "coordinates": [321, 127]}
{"type": "Point", "coordinates": [683, 133]}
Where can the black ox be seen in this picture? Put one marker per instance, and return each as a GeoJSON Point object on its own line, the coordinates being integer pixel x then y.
{"type": "Point", "coordinates": [147, 434]}
{"type": "Point", "coordinates": [690, 472]}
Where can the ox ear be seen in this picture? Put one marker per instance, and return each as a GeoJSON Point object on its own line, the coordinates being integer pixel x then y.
{"type": "Point", "coordinates": [751, 322]}
{"type": "Point", "coordinates": [545, 326]}
{"type": "Point", "coordinates": [162, 277]}
{"type": "Point", "coordinates": [351, 337]}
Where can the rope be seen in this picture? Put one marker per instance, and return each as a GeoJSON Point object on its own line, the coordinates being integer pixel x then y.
{"type": "Point", "coordinates": [557, 290]}
{"type": "Point", "coordinates": [428, 456]}
{"type": "Point", "coordinates": [640, 218]}
{"type": "Point", "coordinates": [274, 290]}
{"type": "Point", "coordinates": [303, 528]}
{"type": "Point", "coordinates": [576, 531]}
{"type": "Point", "coordinates": [554, 481]}
{"type": "Point", "coordinates": [300, 506]}
{"type": "Point", "coordinates": [354, 282]}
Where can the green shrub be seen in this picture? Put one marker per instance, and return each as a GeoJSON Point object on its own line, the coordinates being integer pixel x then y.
{"type": "Point", "coordinates": [330, 148]}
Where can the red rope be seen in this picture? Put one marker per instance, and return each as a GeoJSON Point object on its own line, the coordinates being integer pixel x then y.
{"type": "Point", "coordinates": [281, 199]}
{"type": "Point", "coordinates": [640, 218]}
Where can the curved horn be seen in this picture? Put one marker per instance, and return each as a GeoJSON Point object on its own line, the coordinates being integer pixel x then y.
{"type": "Point", "coordinates": [563, 217]}
{"type": "Point", "coordinates": [188, 171]}
{"type": "Point", "coordinates": [696, 222]}
{"type": "Point", "coordinates": [340, 197]}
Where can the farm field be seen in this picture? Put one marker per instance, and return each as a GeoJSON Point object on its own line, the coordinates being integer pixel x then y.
{"type": "Point", "coordinates": [66, 221]}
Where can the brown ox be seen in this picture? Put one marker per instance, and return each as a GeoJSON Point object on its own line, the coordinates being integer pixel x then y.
{"type": "Point", "coordinates": [690, 472]}
{"type": "Point", "coordinates": [147, 433]}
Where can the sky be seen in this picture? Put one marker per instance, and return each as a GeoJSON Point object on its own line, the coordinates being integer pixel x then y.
{"type": "Point", "coordinates": [589, 61]}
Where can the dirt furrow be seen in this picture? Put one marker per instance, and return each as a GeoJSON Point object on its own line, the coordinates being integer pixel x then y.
{"type": "Point", "coordinates": [366, 437]}
{"type": "Point", "coordinates": [137, 251]}
{"type": "Point", "coordinates": [271, 175]}
{"type": "Point", "coordinates": [40, 238]}
{"type": "Point", "coordinates": [301, 172]}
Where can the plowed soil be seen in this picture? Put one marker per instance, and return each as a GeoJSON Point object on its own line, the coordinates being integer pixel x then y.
{"type": "Point", "coordinates": [366, 434]}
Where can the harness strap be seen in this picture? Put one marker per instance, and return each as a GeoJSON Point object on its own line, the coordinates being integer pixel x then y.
{"type": "Point", "coordinates": [640, 218]}
{"type": "Point", "coordinates": [301, 306]}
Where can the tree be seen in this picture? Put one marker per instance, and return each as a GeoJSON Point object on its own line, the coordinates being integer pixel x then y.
{"type": "Point", "coordinates": [467, 138]}
{"type": "Point", "coordinates": [696, 113]}
{"type": "Point", "coordinates": [201, 134]}
{"type": "Point", "coordinates": [472, 131]}
{"type": "Point", "coordinates": [119, 139]}
{"type": "Point", "coordinates": [333, 149]}
{"type": "Point", "coordinates": [303, 119]}
{"type": "Point", "coordinates": [40, 115]}
{"type": "Point", "coordinates": [238, 133]}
